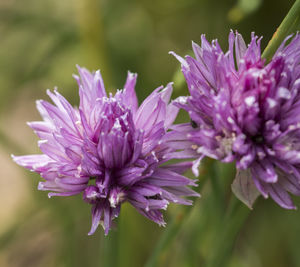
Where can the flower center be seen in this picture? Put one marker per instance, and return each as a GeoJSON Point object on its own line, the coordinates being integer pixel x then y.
{"type": "Point", "coordinates": [105, 189]}
{"type": "Point", "coordinates": [258, 139]}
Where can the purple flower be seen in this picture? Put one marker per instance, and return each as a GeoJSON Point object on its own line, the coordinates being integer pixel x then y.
{"type": "Point", "coordinates": [248, 111]}
{"type": "Point", "coordinates": [110, 150]}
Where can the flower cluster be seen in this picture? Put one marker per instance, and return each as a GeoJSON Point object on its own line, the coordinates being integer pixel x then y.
{"type": "Point", "coordinates": [110, 150]}
{"type": "Point", "coordinates": [247, 111]}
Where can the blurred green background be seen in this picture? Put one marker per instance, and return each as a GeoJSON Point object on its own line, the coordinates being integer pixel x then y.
{"type": "Point", "coordinates": [41, 41]}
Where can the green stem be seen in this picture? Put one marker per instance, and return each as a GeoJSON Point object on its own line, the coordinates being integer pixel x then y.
{"type": "Point", "coordinates": [171, 231]}
{"type": "Point", "coordinates": [109, 249]}
{"type": "Point", "coordinates": [216, 186]}
{"type": "Point", "coordinates": [227, 233]}
{"type": "Point", "coordinates": [290, 24]}
{"type": "Point", "coordinates": [166, 238]}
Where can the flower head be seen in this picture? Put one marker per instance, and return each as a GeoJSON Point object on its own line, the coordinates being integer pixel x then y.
{"type": "Point", "coordinates": [110, 150]}
{"type": "Point", "coordinates": [247, 111]}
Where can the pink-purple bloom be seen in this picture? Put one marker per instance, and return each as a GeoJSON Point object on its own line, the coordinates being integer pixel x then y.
{"type": "Point", "coordinates": [246, 110]}
{"type": "Point", "coordinates": [110, 150]}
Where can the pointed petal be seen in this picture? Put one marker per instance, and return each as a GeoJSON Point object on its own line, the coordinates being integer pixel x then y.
{"type": "Point", "coordinates": [129, 95]}
{"type": "Point", "coordinates": [97, 211]}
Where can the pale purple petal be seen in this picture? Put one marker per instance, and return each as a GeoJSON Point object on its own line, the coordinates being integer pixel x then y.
{"type": "Point", "coordinates": [111, 151]}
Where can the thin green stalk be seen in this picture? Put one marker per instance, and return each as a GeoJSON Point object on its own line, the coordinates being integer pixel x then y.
{"type": "Point", "coordinates": [109, 249]}
{"type": "Point", "coordinates": [227, 233]}
{"type": "Point", "coordinates": [290, 24]}
{"type": "Point", "coordinates": [216, 186]}
{"type": "Point", "coordinates": [167, 238]}
{"type": "Point", "coordinates": [171, 231]}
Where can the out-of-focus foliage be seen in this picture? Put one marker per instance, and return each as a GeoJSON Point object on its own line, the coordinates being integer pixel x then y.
{"type": "Point", "coordinates": [242, 9]}
{"type": "Point", "coordinates": [41, 41]}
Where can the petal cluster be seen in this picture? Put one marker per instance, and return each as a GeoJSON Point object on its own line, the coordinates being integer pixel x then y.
{"type": "Point", "coordinates": [247, 111]}
{"type": "Point", "coordinates": [110, 150]}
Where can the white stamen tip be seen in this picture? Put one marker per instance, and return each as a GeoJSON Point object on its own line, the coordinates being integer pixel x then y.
{"type": "Point", "coordinates": [284, 93]}
{"type": "Point", "coordinates": [250, 100]}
